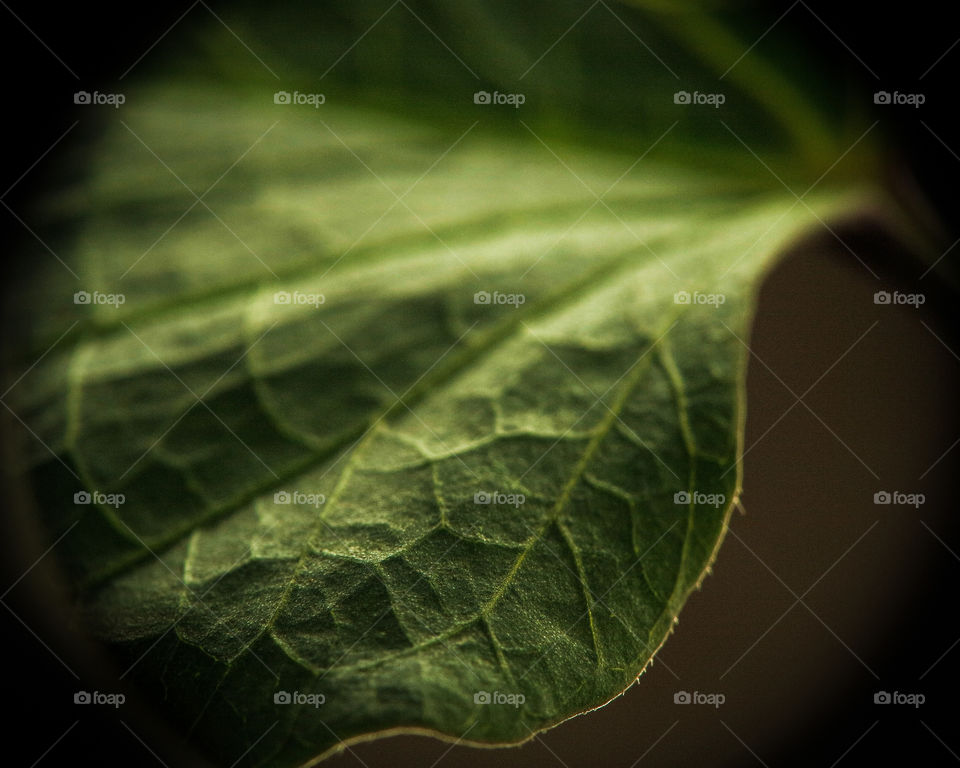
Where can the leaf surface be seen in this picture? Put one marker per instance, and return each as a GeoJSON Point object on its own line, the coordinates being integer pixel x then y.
{"type": "Point", "coordinates": [487, 448]}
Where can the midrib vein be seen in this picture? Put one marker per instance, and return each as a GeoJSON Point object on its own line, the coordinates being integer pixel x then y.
{"type": "Point", "coordinates": [459, 232]}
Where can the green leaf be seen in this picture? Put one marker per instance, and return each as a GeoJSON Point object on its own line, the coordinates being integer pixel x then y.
{"type": "Point", "coordinates": [390, 491]}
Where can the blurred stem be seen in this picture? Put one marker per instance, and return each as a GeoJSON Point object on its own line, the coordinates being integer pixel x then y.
{"type": "Point", "coordinates": [713, 42]}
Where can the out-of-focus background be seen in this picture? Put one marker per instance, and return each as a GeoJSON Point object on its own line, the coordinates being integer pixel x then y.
{"type": "Point", "coordinates": [819, 599]}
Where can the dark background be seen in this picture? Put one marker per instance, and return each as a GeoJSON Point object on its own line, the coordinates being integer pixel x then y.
{"type": "Point", "coordinates": [880, 619]}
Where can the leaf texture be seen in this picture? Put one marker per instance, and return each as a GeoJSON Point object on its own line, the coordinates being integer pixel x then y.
{"type": "Point", "coordinates": [390, 491]}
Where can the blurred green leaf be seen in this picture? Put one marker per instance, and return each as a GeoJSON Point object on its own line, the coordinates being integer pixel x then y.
{"type": "Point", "coordinates": [433, 417]}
